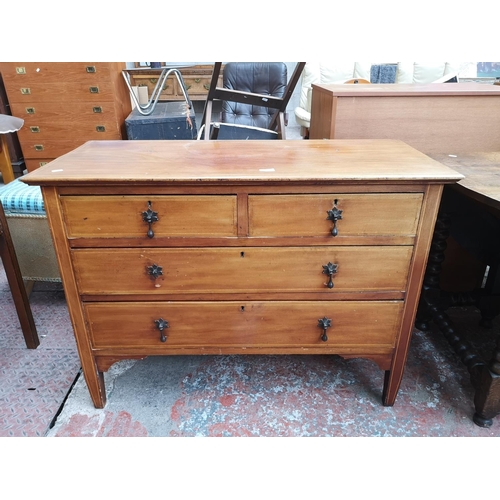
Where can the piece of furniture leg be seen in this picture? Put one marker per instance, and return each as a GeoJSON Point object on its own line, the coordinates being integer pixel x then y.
{"type": "Point", "coordinates": [16, 284]}
{"type": "Point", "coordinates": [487, 397]}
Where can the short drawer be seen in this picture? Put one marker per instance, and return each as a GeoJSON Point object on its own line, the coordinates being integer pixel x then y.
{"type": "Point", "coordinates": [241, 270]}
{"type": "Point", "coordinates": [377, 214]}
{"type": "Point", "coordinates": [127, 216]}
{"type": "Point", "coordinates": [245, 324]}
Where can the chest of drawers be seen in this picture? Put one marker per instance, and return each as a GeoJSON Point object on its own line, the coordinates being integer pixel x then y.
{"type": "Point", "coordinates": [242, 247]}
{"type": "Point", "coordinates": [63, 105]}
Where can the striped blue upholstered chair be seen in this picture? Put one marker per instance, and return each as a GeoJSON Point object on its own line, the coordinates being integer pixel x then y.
{"type": "Point", "coordinates": [28, 225]}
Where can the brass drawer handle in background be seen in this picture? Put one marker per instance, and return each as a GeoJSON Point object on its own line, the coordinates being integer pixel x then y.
{"type": "Point", "coordinates": [94, 90]}
{"type": "Point", "coordinates": [330, 269]}
{"type": "Point", "coordinates": [162, 324]}
{"type": "Point", "coordinates": [155, 271]}
{"type": "Point", "coordinates": [150, 217]}
{"type": "Point", "coordinates": [38, 147]}
{"type": "Point", "coordinates": [335, 214]}
{"type": "Point", "coordinates": [35, 129]}
{"type": "Point", "coordinates": [30, 111]}
{"type": "Point", "coordinates": [100, 128]}
{"type": "Point", "coordinates": [25, 91]}
{"type": "Point", "coordinates": [324, 324]}
{"type": "Point", "coordinates": [90, 69]}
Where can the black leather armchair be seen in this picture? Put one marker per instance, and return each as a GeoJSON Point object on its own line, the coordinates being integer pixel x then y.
{"type": "Point", "coordinates": [254, 98]}
{"type": "Point", "coordinates": [255, 78]}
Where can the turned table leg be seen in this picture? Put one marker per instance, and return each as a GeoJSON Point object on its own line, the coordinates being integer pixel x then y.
{"type": "Point", "coordinates": [487, 397]}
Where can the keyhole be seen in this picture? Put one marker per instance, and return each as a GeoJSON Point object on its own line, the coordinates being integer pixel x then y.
{"type": "Point", "coordinates": [242, 254]}
{"type": "Point", "coordinates": [242, 308]}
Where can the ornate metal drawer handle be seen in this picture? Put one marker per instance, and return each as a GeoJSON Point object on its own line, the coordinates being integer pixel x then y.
{"type": "Point", "coordinates": [162, 324]}
{"type": "Point", "coordinates": [324, 324]}
{"type": "Point", "coordinates": [334, 215]}
{"type": "Point", "coordinates": [150, 217]}
{"type": "Point", "coordinates": [330, 269]}
{"type": "Point", "coordinates": [155, 271]}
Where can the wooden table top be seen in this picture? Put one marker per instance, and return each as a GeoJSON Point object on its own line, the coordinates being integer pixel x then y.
{"type": "Point", "coordinates": [202, 162]}
{"type": "Point", "coordinates": [410, 89]}
{"type": "Point", "coordinates": [482, 175]}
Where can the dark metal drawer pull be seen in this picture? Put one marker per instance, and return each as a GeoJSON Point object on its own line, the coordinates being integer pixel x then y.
{"type": "Point", "coordinates": [330, 269]}
{"type": "Point", "coordinates": [150, 217]}
{"type": "Point", "coordinates": [155, 271]}
{"type": "Point", "coordinates": [324, 324]}
{"type": "Point", "coordinates": [335, 214]}
{"type": "Point", "coordinates": [162, 324]}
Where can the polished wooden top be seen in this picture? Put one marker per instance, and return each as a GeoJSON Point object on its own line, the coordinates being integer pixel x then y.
{"type": "Point", "coordinates": [410, 89]}
{"type": "Point", "coordinates": [202, 162]}
{"type": "Point", "coordinates": [482, 175]}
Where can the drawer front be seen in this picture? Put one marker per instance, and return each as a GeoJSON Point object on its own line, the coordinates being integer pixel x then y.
{"type": "Point", "coordinates": [98, 128]}
{"type": "Point", "coordinates": [53, 148]}
{"type": "Point", "coordinates": [150, 81]}
{"type": "Point", "coordinates": [243, 324]}
{"type": "Point", "coordinates": [74, 114]}
{"type": "Point", "coordinates": [122, 216]}
{"type": "Point", "coordinates": [29, 93]}
{"type": "Point", "coordinates": [196, 84]}
{"type": "Point", "coordinates": [19, 74]}
{"type": "Point", "coordinates": [241, 270]}
{"type": "Point", "coordinates": [34, 164]}
{"type": "Point", "coordinates": [378, 214]}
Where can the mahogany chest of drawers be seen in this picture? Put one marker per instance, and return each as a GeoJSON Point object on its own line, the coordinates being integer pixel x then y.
{"type": "Point", "coordinates": [256, 247]}
{"type": "Point", "coordinates": [64, 105]}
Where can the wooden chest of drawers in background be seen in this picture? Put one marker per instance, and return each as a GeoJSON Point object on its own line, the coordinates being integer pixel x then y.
{"type": "Point", "coordinates": [242, 247]}
{"type": "Point", "coordinates": [63, 105]}
{"type": "Point", "coordinates": [196, 79]}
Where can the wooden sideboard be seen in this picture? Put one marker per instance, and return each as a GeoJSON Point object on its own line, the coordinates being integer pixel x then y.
{"type": "Point", "coordinates": [433, 118]}
{"type": "Point", "coordinates": [63, 105]}
{"type": "Point", "coordinates": [242, 247]}
{"type": "Point", "coordinates": [196, 78]}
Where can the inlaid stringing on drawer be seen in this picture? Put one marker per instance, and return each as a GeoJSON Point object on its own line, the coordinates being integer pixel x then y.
{"type": "Point", "coordinates": [307, 215]}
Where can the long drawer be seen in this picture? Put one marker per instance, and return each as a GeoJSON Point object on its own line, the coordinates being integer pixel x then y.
{"type": "Point", "coordinates": [31, 92]}
{"type": "Point", "coordinates": [307, 215]}
{"type": "Point", "coordinates": [53, 148]}
{"type": "Point", "coordinates": [75, 114]}
{"type": "Point", "coordinates": [18, 74]}
{"type": "Point", "coordinates": [93, 128]}
{"type": "Point", "coordinates": [255, 324]}
{"type": "Point", "coordinates": [241, 270]}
